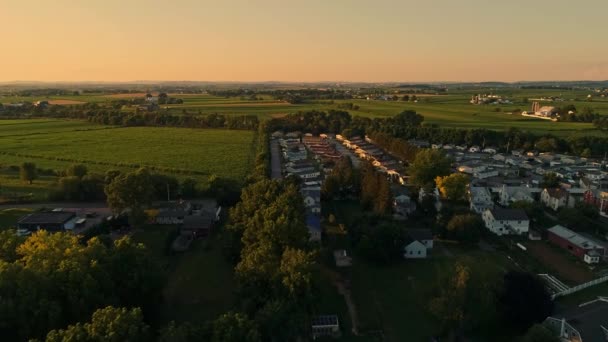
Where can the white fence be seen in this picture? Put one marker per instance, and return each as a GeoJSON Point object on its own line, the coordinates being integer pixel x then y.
{"type": "Point", "coordinates": [556, 285]}
{"type": "Point", "coordinates": [580, 287]}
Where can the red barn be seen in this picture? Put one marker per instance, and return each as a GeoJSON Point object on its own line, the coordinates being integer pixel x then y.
{"type": "Point", "coordinates": [585, 248]}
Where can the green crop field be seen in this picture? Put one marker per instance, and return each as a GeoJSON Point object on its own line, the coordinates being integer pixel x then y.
{"type": "Point", "coordinates": [56, 144]}
{"type": "Point", "coordinates": [445, 110]}
{"type": "Point", "coordinates": [451, 110]}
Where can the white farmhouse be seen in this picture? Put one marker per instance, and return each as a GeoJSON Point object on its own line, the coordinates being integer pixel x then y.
{"type": "Point", "coordinates": [418, 243]}
{"type": "Point", "coordinates": [554, 198]}
{"type": "Point", "coordinates": [506, 221]}
{"type": "Point", "coordinates": [480, 199]}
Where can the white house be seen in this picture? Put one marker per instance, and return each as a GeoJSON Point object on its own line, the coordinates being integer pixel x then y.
{"type": "Point", "coordinates": [480, 199]}
{"type": "Point", "coordinates": [554, 198]}
{"type": "Point", "coordinates": [418, 243]}
{"type": "Point", "coordinates": [506, 221]}
{"type": "Point", "coordinates": [510, 194]}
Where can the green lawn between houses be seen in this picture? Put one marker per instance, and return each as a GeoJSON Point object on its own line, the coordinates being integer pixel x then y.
{"type": "Point", "coordinates": [200, 284]}
{"type": "Point", "coordinates": [392, 301]}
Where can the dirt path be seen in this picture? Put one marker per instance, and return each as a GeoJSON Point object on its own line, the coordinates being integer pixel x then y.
{"type": "Point", "coordinates": [340, 284]}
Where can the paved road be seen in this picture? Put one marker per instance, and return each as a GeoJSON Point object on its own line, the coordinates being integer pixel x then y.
{"type": "Point", "coordinates": [56, 205]}
{"type": "Point", "coordinates": [78, 205]}
{"type": "Point", "coordinates": [275, 160]}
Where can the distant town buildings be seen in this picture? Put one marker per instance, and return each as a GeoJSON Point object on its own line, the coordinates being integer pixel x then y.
{"type": "Point", "coordinates": [486, 99]}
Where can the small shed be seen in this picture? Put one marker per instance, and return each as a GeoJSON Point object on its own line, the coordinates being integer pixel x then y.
{"type": "Point", "coordinates": [325, 325]}
{"type": "Point", "coordinates": [197, 226]}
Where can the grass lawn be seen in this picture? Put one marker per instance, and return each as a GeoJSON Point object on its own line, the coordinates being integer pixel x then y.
{"type": "Point", "coordinates": [200, 284]}
{"type": "Point", "coordinates": [9, 217]}
{"type": "Point", "coordinates": [392, 301]}
{"type": "Point", "coordinates": [395, 299]}
{"type": "Point", "coordinates": [13, 189]}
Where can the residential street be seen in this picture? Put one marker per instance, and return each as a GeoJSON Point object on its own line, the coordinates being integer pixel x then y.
{"type": "Point", "coordinates": [275, 160]}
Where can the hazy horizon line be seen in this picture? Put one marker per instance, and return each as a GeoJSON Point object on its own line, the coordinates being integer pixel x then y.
{"type": "Point", "coordinates": [301, 82]}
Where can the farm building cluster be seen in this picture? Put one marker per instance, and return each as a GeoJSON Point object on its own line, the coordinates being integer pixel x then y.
{"type": "Point", "coordinates": [194, 220]}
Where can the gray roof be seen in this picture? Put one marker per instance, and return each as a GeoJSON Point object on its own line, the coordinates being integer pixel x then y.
{"type": "Point", "coordinates": [501, 214]}
{"type": "Point", "coordinates": [52, 217]}
{"type": "Point", "coordinates": [172, 213]}
{"type": "Point", "coordinates": [574, 238]}
{"type": "Point", "coordinates": [419, 234]}
{"type": "Point", "coordinates": [324, 320]}
{"type": "Point", "coordinates": [197, 222]}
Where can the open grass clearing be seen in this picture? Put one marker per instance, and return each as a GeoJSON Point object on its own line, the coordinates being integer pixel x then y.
{"type": "Point", "coordinates": [200, 285]}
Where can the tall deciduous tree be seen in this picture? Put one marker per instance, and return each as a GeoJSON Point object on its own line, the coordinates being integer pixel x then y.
{"type": "Point", "coordinates": [76, 170]}
{"type": "Point", "coordinates": [234, 327]}
{"type": "Point", "coordinates": [453, 187]}
{"type": "Point", "coordinates": [428, 165]}
{"type": "Point", "coordinates": [131, 191]}
{"type": "Point", "coordinates": [466, 228]}
{"type": "Point", "coordinates": [108, 325]}
{"type": "Point", "coordinates": [524, 300]}
{"type": "Point", "coordinates": [28, 172]}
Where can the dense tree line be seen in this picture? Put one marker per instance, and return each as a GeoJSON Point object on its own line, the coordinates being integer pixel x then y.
{"type": "Point", "coordinates": [410, 125]}
{"type": "Point", "coordinates": [293, 96]}
{"type": "Point", "coordinates": [333, 121]}
{"type": "Point", "coordinates": [48, 281]}
{"type": "Point", "coordinates": [568, 114]}
{"type": "Point", "coordinates": [601, 123]}
{"type": "Point", "coordinates": [113, 115]}
{"type": "Point", "coordinates": [376, 191]}
{"type": "Point", "coordinates": [343, 181]}
{"type": "Point", "coordinates": [269, 241]}
{"type": "Point", "coordinates": [398, 147]}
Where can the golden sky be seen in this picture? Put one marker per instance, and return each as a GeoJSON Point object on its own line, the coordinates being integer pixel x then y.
{"type": "Point", "coordinates": [312, 40]}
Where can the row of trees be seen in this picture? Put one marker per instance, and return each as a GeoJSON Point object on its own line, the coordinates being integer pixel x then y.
{"type": "Point", "coordinates": [269, 241]}
{"type": "Point", "coordinates": [398, 147]}
{"type": "Point", "coordinates": [410, 125]}
{"type": "Point", "coordinates": [112, 114]}
{"type": "Point", "coordinates": [76, 183]}
{"type": "Point", "coordinates": [376, 191]}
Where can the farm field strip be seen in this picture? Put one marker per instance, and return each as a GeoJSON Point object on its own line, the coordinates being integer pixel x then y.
{"type": "Point", "coordinates": [225, 153]}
